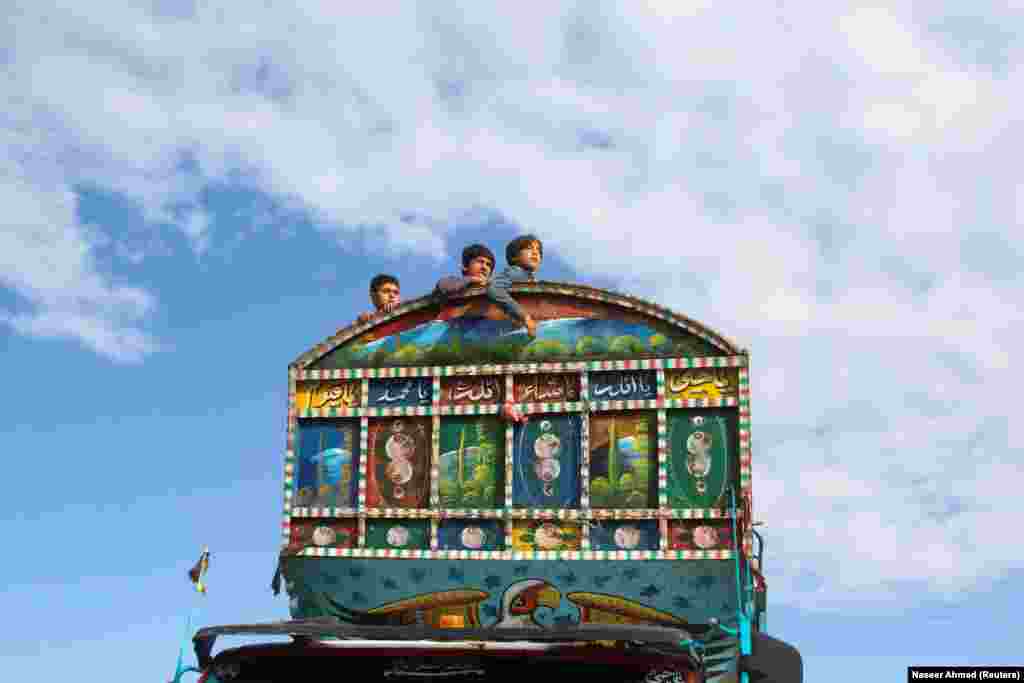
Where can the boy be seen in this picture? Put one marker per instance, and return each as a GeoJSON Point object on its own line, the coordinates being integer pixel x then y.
{"type": "Point", "coordinates": [524, 255]}
{"type": "Point", "coordinates": [477, 266]}
{"type": "Point", "coordinates": [385, 294]}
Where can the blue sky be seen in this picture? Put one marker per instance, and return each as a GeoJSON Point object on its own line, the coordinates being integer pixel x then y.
{"type": "Point", "coordinates": [195, 195]}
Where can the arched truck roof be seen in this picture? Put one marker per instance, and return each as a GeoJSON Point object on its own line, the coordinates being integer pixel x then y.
{"type": "Point", "coordinates": [546, 301]}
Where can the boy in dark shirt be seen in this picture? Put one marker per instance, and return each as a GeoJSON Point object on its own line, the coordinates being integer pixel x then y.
{"type": "Point", "coordinates": [385, 294]}
{"type": "Point", "coordinates": [477, 266]}
{"type": "Point", "coordinates": [524, 255]}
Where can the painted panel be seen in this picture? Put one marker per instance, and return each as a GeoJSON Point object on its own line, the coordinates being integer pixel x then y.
{"type": "Point", "coordinates": [710, 384]}
{"type": "Point", "coordinates": [398, 534]}
{"type": "Point", "coordinates": [623, 460]}
{"type": "Point", "coordinates": [546, 462]}
{"type": "Point", "coordinates": [701, 448]}
{"type": "Point", "coordinates": [398, 473]}
{"type": "Point", "coordinates": [471, 390]}
{"type": "Point", "coordinates": [328, 394]}
{"type": "Point", "coordinates": [696, 534]}
{"type": "Point", "coordinates": [576, 334]}
{"type": "Point", "coordinates": [472, 472]}
{"type": "Point", "coordinates": [546, 535]}
{"type": "Point", "coordinates": [471, 534]}
{"type": "Point", "coordinates": [400, 392]}
{"type": "Point", "coordinates": [641, 534]}
{"type": "Point", "coordinates": [328, 464]}
{"type": "Point", "coordinates": [655, 591]}
{"type": "Point", "coordinates": [322, 533]}
{"type": "Point", "coordinates": [631, 385]}
{"type": "Point", "coordinates": [552, 388]}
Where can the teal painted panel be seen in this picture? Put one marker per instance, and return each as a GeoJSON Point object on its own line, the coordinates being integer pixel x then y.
{"type": "Point", "coordinates": [553, 592]}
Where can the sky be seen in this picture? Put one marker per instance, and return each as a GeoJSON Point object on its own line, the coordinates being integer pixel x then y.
{"type": "Point", "coordinates": [195, 193]}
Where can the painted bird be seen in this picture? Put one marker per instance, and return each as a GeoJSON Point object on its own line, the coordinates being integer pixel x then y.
{"type": "Point", "coordinates": [198, 570]}
{"type": "Point", "coordinates": [522, 599]}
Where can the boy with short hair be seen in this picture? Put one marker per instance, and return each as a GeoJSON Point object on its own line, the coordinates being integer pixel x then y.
{"type": "Point", "coordinates": [524, 255]}
{"type": "Point", "coordinates": [477, 266]}
{"type": "Point", "coordinates": [385, 294]}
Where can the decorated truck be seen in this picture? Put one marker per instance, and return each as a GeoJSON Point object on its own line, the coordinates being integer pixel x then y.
{"type": "Point", "coordinates": [461, 496]}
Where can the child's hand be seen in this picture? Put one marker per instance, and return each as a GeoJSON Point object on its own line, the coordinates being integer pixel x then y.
{"type": "Point", "coordinates": [531, 326]}
{"type": "Point", "coordinates": [479, 280]}
{"type": "Point", "coordinates": [387, 308]}
{"type": "Point", "coordinates": [364, 317]}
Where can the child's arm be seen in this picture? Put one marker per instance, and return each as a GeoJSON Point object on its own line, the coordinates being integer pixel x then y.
{"type": "Point", "coordinates": [449, 286]}
{"type": "Point", "coordinates": [497, 290]}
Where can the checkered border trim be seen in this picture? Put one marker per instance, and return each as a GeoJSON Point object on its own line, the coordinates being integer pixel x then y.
{"type": "Point", "coordinates": [528, 408]}
{"type": "Point", "coordinates": [662, 459]}
{"type": "Point", "coordinates": [307, 375]}
{"type": "Point", "coordinates": [745, 454]}
{"type": "Point", "coordinates": [510, 437]}
{"type": "Point", "coordinates": [585, 462]}
{"type": "Point", "coordinates": [518, 555]}
{"type": "Point", "coordinates": [559, 288]}
{"type": "Point", "coordinates": [289, 459]}
{"type": "Point", "coordinates": [512, 513]}
{"type": "Point", "coordinates": [364, 459]}
{"type": "Point", "coordinates": [435, 462]}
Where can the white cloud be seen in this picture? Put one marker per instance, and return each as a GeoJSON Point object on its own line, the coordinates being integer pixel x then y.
{"type": "Point", "coordinates": [807, 191]}
{"type": "Point", "coordinates": [45, 257]}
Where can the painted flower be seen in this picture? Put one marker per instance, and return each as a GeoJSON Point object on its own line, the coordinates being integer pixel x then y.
{"type": "Point", "coordinates": [324, 535]}
{"type": "Point", "coordinates": [548, 536]}
{"type": "Point", "coordinates": [705, 537]}
{"type": "Point", "coordinates": [398, 536]}
{"type": "Point", "coordinates": [473, 537]}
{"type": "Point", "coordinates": [627, 537]}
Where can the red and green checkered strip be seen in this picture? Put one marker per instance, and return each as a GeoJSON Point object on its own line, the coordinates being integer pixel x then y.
{"type": "Point", "coordinates": [518, 556]}
{"type": "Point", "coordinates": [435, 462]}
{"type": "Point", "coordinates": [529, 408]}
{"type": "Point", "coordinates": [509, 448]}
{"type": "Point", "coordinates": [745, 454]}
{"type": "Point", "coordinates": [725, 402]}
{"type": "Point", "coordinates": [510, 513]}
{"type": "Point", "coordinates": [539, 513]}
{"type": "Point", "coordinates": [364, 447]}
{"type": "Point", "coordinates": [289, 460]}
{"type": "Point", "coordinates": [662, 459]}
{"type": "Point", "coordinates": [585, 467]}
{"type": "Point", "coordinates": [470, 513]}
{"type": "Point", "coordinates": [368, 412]}
{"type": "Point", "coordinates": [323, 512]}
{"type": "Point", "coordinates": [600, 406]}
{"type": "Point", "coordinates": [470, 409]}
{"type": "Point", "coordinates": [523, 368]}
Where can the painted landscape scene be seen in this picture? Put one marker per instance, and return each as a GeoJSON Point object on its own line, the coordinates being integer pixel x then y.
{"type": "Point", "coordinates": [471, 463]}
{"type": "Point", "coordinates": [623, 462]}
{"type": "Point", "coordinates": [481, 340]}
